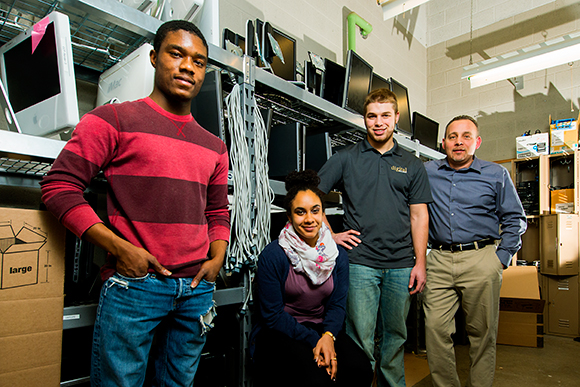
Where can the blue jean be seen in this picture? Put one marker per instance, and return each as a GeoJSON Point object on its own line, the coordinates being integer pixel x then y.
{"type": "Point", "coordinates": [383, 295]}
{"type": "Point", "coordinates": [131, 311]}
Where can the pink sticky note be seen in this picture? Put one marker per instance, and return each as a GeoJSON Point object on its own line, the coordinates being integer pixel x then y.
{"type": "Point", "coordinates": [38, 31]}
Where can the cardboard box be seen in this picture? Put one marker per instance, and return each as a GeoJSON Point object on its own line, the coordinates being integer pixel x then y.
{"type": "Point", "coordinates": [562, 201]}
{"type": "Point", "coordinates": [563, 136]}
{"type": "Point", "coordinates": [534, 145]}
{"type": "Point", "coordinates": [31, 297]}
{"type": "Point", "coordinates": [521, 309]}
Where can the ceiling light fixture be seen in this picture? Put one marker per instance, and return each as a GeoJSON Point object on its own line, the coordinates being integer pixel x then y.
{"type": "Point", "coordinates": [392, 8]}
{"type": "Point", "coordinates": [538, 57]}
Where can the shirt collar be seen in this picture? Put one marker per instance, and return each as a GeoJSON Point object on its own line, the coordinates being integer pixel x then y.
{"type": "Point", "coordinates": [395, 150]}
{"type": "Point", "coordinates": [475, 165]}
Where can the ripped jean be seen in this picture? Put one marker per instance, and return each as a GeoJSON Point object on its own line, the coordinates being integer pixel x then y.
{"type": "Point", "coordinates": [131, 311]}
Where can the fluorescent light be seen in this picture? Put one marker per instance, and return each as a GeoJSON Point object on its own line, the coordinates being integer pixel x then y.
{"type": "Point", "coordinates": [540, 56]}
{"type": "Point", "coordinates": [392, 8]}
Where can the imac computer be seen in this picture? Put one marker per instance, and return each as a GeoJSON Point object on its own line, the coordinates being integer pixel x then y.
{"type": "Point", "coordinates": [379, 82]}
{"type": "Point", "coordinates": [425, 130]}
{"type": "Point", "coordinates": [357, 83]}
{"type": "Point", "coordinates": [130, 79]}
{"type": "Point", "coordinates": [36, 68]}
{"type": "Point", "coordinates": [404, 125]}
{"type": "Point", "coordinates": [333, 79]}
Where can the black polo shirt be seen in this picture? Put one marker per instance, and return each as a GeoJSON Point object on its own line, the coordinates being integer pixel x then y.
{"type": "Point", "coordinates": [376, 192]}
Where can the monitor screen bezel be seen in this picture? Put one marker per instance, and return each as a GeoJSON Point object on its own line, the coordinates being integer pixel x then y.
{"type": "Point", "coordinates": [404, 131]}
{"type": "Point", "coordinates": [418, 134]}
{"type": "Point", "coordinates": [348, 90]}
{"type": "Point", "coordinates": [336, 82]}
{"type": "Point", "coordinates": [59, 112]}
{"type": "Point", "coordinates": [377, 77]}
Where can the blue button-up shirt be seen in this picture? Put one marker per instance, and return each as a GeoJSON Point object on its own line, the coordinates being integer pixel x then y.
{"type": "Point", "coordinates": [472, 203]}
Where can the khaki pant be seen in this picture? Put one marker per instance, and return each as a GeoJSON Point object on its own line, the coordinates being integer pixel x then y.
{"type": "Point", "coordinates": [471, 279]}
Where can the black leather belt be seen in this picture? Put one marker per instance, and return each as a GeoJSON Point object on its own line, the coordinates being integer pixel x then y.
{"type": "Point", "coordinates": [454, 247]}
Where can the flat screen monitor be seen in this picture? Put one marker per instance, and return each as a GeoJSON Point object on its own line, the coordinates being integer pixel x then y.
{"type": "Point", "coordinates": [333, 80]}
{"type": "Point", "coordinates": [425, 130]}
{"type": "Point", "coordinates": [207, 106]}
{"type": "Point", "coordinates": [404, 125]}
{"type": "Point", "coordinates": [287, 69]}
{"type": "Point", "coordinates": [284, 150]}
{"type": "Point", "coordinates": [37, 71]}
{"type": "Point", "coordinates": [233, 42]}
{"type": "Point", "coordinates": [317, 150]}
{"type": "Point", "coordinates": [379, 82]}
{"type": "Point", "coordinates": [357, 83]}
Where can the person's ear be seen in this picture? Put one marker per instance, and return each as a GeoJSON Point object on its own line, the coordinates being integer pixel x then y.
{"type": "Point", "coordinates": [478, 142]}
{"type": "Point", "coordinates": [153, 58]}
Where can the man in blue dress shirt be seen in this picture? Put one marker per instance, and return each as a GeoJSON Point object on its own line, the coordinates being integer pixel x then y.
{"type": "Point", "coordinates": [472, 199]}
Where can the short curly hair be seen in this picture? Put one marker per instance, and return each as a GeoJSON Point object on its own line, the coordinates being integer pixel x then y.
{"type": "Point", "coordinates": [176, 25]}
{"type": "Point", "coordinates": [306, 180]}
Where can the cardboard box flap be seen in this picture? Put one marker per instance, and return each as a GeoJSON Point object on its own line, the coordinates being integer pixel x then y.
{"type": "Point", "coordinates": [21, 247]}
{"type": "Point", "coordinates": [520, 282]}
{"type": "Point", "coordinates": [6, 231]}
{"type": "Point", "coordinates": [27, 235]}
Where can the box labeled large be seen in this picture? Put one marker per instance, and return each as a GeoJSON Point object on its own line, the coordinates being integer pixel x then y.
{"type": "Point", "coordinates": [521, 309]}
{"type": "Point", "coordinates": [31, 297]}
{"type": "Point", "coordinates": [534, 145]}
{"type": "Point", "coordinates": [559, 244]}
{"type": "Point", "coordinates": [563, 136]}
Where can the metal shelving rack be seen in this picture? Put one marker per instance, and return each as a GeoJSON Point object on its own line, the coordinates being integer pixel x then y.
{"type": "Point", "coordinates": [104, 32]}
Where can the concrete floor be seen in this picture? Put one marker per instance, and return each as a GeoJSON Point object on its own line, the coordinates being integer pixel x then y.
{"type": "Point", "coordinates": [557, 364]}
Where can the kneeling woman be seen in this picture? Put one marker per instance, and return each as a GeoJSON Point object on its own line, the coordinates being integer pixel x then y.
{"type": "Point", "coordinates": [302, 283]}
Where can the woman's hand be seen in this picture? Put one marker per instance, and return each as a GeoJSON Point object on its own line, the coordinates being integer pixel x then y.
{"type": "Point", "coordinates": [325, 356]}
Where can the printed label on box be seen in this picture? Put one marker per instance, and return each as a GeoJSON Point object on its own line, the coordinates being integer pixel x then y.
{"type": "Point", "coordinates": [20, 255]}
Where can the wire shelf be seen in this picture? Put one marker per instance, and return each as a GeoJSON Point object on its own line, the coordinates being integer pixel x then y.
{"type": "Point", "coordinates": [97, 44]}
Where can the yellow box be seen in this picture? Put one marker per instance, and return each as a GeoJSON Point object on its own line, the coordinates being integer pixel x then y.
{"type": "Point", "coordinates": [562, 201]}
{"type": "Point", "coordinates": [563, 136]}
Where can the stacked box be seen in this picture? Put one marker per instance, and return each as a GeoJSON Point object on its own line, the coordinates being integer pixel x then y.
{"type": "Point", "coordinates": [563, 136]}
{"type": "Point", "coordinates": [31, 297]}
{"type": "Point", "coordinates": [521, 309]}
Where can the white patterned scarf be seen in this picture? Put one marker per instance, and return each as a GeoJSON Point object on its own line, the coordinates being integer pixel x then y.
{"type": "Point", "coordinates": [316, 262]}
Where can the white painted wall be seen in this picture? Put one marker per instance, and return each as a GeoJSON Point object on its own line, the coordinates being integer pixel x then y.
{"type": "Point", "coordinates": [320, 26]}
{"type": "Point", "coordinates": [502, 112]}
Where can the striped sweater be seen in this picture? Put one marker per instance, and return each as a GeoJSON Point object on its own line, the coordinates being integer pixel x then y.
{"type": "Point", "coordinates": [167, 176]}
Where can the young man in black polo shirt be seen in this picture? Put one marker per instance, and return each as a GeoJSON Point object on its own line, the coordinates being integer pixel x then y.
{"type": "Point", "coordinates": [385, 194]}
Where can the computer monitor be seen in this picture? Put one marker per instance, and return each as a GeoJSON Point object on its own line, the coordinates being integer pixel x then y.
{"type": "Point", "coordinates": [207, 106]}
{"type": "Point", "coordinates": [379, 82]}
{"type": "Point", "coordinates": [425, 130]}
{"type": "Point", "coordinates": [128, 80]}
{"type": "Point", "coordinates": [287, 44]}
{"type": "Point", "coordinates": [317, 150]}
{"type": "Point", "coordinates": [284, 150]}
{"type": "Point", "coordinates": [357, 82]}
{"type": "Point", "coordinates": [233, 42]}
{"type": "Point", "coordinates": [333, 80]}
{"type": "Point", "coordinates": [404, 125]}
{"type": "Point", "coordinates": [37, 70]}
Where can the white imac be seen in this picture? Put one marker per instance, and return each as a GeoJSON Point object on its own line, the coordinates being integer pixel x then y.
{"type": "Point", "coordinates": [128, 80]}
{"type": "Point", "coordinates": [37, 71]}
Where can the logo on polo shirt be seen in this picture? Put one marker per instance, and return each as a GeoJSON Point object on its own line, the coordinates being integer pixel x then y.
{"type": "Point", "coordinates": [399, 169]}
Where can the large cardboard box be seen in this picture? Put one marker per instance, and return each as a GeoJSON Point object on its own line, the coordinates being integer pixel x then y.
{"type": "Point", "coordinates": [521, 309]}
{"type": "Point", "coordinates": [532, 146]}
{"type": "Point", "coordinates": [562, 201]}
{"type": "Point", "coordinates": [31, 298]}
{"type": "Point", "coordinates": [563, 136]}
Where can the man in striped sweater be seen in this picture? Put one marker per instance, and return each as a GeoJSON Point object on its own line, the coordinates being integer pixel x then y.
{"type": "Point", "coordinates": [168, 222]}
